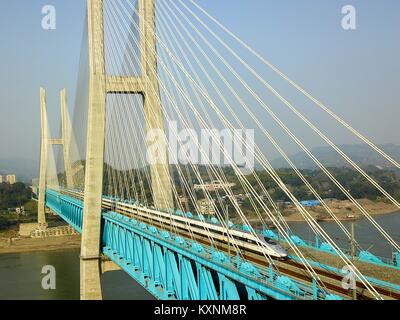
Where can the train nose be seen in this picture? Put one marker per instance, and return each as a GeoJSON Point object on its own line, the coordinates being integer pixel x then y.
{"type": "Point", "coordinates": [282, 253]}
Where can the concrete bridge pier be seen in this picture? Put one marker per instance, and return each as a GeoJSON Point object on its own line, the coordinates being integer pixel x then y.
{"type": "Point", "coordinates": [42, 225]}
{"type": "Point", "coordinates": [100, 85]}
{"type": "Point", "coordinates": [90, 270]}
{"type": "Point", "coordinates": [90, 284]}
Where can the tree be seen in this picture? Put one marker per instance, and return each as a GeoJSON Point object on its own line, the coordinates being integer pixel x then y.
{"type": "Point", "coordinates": [14, 195]}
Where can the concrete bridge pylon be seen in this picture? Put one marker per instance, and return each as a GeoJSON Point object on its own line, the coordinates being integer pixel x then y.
{"type": "Point", "coordinates": [46, 142]}
{"type": "Point", "coordinates": [100, 85]}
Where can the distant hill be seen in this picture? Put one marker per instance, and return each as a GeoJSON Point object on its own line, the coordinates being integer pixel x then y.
{"type": "Point", "coordinates": [24, 169]}
{"type": "Point", "coordinates": [361, 154]}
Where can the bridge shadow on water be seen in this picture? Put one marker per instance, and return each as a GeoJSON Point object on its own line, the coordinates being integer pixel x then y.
{"type": "Point", "coordinates": [118, 285]}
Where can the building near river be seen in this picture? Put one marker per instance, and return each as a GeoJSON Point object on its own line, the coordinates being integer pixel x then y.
{"type": "Point", "coordinates": [35, 186]}
{"type": "Point", "coordinates": [11, 179]}
{"type": "Point", "coordinates": [214, 186]}
{"type": "Point", "coordinates": [206, 207]}
{"type": "Point", "coordinates": [310, 203]}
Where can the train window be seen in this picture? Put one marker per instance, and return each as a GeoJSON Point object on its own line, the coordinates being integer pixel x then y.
{"type": "Point", "coordinates": [270, 241]}
{"type": "Point", "coordinates": [241, 238]}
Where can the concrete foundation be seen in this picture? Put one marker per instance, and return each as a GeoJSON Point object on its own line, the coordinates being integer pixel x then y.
{"type": "Point", "coordinates": [108, 265]}
{"type": "Point", "coordinates": [90, 285]}
{"type": "Point", "coordinates": [25, 229]}
{"type": "Point", "coordinates": [62, 231]}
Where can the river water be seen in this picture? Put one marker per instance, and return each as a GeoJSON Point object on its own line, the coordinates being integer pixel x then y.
{"type": "Point", "coordinates": [21, 277]}
{"type": "Point", "coordinates": [367, 236]}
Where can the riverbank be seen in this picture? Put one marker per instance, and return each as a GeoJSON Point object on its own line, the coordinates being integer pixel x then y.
{"type": "Point", "coordinates": [20, 245]}
{"type": "Point", "coordinates": [343, 209]}
{"type": "Point", "coordinates": [11, 243]}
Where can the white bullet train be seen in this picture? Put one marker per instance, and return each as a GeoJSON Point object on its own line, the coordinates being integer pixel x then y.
{"type": "Point", "coordinates": [200, 229]}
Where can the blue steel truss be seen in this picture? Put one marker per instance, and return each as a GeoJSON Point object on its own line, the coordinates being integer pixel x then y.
{"type": "Point", "coordinates": [170, 267]}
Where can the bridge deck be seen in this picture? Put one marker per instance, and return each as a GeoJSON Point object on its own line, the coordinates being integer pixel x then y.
{"type": "Point", "coordinates": [380, 272]}
{"type": "Point", "coordinates": [327, 266]}
{"type": "Point", "coordinates": [295, 270]}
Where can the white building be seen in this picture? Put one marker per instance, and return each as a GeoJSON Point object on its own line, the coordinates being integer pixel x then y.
{"type": "Point", "coordinates": [11, 179]}
{"type": "Point", "coordinates": [214, 185]}
{"type": "Point", "coordinates": [35, 186]}
{"type": "Point", "coordinates": [206, 207]}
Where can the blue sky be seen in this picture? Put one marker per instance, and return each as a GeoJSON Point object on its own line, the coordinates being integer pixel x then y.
{"type": "Point", "coordinates": [356, 72]}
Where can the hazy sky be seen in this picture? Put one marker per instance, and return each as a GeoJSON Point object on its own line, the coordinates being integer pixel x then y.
{"type": "Point", "coordinates": [356, 72]}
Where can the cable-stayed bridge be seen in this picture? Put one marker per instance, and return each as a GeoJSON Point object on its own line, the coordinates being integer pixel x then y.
{"type": "Point", "coordinates": [165, 98]}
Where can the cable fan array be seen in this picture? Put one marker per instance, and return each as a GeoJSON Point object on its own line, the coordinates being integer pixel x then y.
{"type": "Point", "coordinates": [208, 84]}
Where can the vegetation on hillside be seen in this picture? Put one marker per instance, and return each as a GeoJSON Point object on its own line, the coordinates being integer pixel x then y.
{"type": "Point", "coordinates": [117, 182]}
{"type": "Point", "coordinates": [14, 195]}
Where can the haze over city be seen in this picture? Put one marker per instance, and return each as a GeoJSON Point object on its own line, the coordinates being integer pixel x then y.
{"type": "Point", "coordinates": [304, 39]}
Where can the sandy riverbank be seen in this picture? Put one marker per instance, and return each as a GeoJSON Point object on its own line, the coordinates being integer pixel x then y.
{"type": "Point", "coordinates": [342, 209]}
{"type": "Point", "coordinates": [35, 245]}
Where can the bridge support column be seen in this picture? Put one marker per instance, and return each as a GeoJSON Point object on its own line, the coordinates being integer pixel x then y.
{"type": "Point", "coordinates": [146, 85]}
{"type": "Point", "coordinates": [90, 249]}
{"type": "Point", "coordinates": [159, 171]}
{"type": "Point", "coordinates": [45, 143]}
{"type": "Point", "coordinates": [43, 161]}
{"type": "Point", "coordinates": [66, 138]}
{"type": "Point", "coordinates": [100, 85]}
